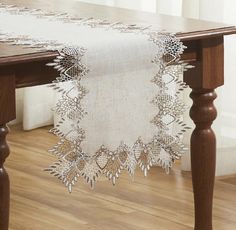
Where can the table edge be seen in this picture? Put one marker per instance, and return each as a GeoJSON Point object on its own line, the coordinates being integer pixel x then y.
{"type": "Point", "coordinates": [49, 55]}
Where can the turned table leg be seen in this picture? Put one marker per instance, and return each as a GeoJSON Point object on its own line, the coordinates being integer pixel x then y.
{"type": "Point", "coordinates": [207, 75]}
{"type": "Point", "coordinates": [4, 180]}
{"type": "Point", "coordinates": [7, 113]}
{"type": "Point", "coordinates": [203, 156]}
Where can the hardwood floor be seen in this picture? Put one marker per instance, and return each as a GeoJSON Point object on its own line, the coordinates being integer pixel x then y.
{"type": "Point", "coordinates": [158, 202]}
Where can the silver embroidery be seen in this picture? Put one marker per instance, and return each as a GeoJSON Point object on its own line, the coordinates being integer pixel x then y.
{"type": "Point", "coordinates": [162, 150]}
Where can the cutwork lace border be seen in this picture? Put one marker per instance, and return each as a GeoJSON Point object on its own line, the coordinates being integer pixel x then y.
{"type": "Point", "coordinates": [73, 162]}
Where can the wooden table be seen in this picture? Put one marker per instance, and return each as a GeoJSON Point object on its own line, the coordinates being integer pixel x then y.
{"type": "Point", "coordinates": [205, 41]}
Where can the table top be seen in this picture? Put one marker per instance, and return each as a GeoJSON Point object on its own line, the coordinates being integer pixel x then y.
{"type": "Point", "coordinates": [186, 29]}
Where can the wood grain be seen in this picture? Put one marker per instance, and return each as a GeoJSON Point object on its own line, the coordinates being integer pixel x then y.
{"type": "Point", "coordinates": [160, 201]}
{"type": "Point", "coordinates": [7, 97]}
{"type": "Point", "coordinates": [203, 156]}
{"type": "Point", "coordinates": [207, 75]}
{"type": "Point", "coordinates": [4, 180]}
{"type": "Point", "coordinates": [7, 113]}
{"type": "Point", "coordinates": [186, 29]}
{"type": "Point", "coordinates": [21, 67]}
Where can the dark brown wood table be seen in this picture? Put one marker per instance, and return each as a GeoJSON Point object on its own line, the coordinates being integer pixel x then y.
{"type": "Point", "coordinates": [21, 67]}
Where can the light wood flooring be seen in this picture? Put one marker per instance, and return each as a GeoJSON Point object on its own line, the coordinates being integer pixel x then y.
{"type": "Point", "coordinates": [158, 202]}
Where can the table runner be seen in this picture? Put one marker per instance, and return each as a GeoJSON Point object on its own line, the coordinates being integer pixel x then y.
{"type": "Point", "coordinates": [118, 92]}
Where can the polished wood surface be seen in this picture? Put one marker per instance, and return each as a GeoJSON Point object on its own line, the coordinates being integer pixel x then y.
{"type": "Point", "coordinates": [186, 29]}
{"type": "Point", "coordinates": [24, 67]}
{"type": "Point", "coordinates": [203, 156]}
{"type": "Point", "coordinates": [4, 179]}
{"type": "Point", "coordinates": [7, 97]}
{"type": "Point", "coordinates": [7, 112]}
{"type": "Point", "coordinates": [208, 75]}
{"type": "Point", "coordinates": [159, 201]}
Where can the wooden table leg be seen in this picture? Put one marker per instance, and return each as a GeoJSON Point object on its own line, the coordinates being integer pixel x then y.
{"type": "Point", "coordinates": [4, 180]}
{"type": "Point", "coordinates": [7, 113]}
{"type": "Point", "coordinates": [203, 156]}
{"type": "Point", "coordinates": [204, 79]}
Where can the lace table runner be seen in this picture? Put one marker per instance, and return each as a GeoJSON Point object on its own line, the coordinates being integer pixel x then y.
{"type": "Point", "coordinates": [118, 90]}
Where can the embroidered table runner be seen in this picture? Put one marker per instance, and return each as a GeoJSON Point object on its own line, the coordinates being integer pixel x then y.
{"type": "Point", "coordinates": [118, 103]}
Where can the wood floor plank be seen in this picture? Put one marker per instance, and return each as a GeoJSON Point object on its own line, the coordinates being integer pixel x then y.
{"type": "Point", "coordinates": [160, 201]}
